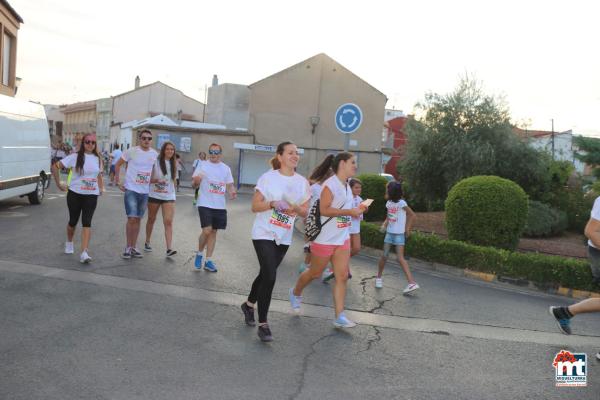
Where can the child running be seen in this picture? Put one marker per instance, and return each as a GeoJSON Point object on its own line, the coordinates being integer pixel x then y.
{"type": "Point", "coordinates": [397, 226]}
{"type": "Point", "coordinates": [333, 242]}
{"type": "Point", "coordinates": [356, 186]}
{"type": "Point", "coordinates": [280, 195]}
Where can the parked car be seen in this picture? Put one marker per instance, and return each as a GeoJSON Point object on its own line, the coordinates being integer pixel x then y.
{"type": "Point", "coordinates": [24, 149]}
{"type": "Point", "coordinates": [389, 177]}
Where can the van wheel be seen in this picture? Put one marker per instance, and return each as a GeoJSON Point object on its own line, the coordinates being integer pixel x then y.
{"type": "Point", "coordinates": [37, 196]}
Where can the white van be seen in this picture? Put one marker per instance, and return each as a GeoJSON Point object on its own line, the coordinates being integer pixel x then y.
{"type": "Point", "coordinates": [24, 149]}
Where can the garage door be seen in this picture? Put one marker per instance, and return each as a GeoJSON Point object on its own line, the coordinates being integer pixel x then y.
{"type": "Point", "coordinates": [254, 164]}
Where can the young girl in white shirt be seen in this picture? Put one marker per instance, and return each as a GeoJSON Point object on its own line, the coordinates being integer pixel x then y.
{"type": "Point", "coordinates": [397, 226]}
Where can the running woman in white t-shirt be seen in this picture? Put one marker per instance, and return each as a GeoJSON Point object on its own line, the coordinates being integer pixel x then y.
{"type": "Point", "coordinates": [85, 186]}
{"type": "Point", "coordinates": [280, 196]}
{"type": "Point", "coordinates": [215, 180]}
{"type": "Point", "coordinates": [162, 195]}
{"type": "Point", "coordinates": [397, 226]}
{"type": "Point", "coordinates": [140, 162]}
{"type": "Point", "coordinates": [315, 179]}
{"type": "Point", "coordinates": [333, 242]}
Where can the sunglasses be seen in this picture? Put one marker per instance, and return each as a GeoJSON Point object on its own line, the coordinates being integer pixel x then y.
{"type": "Point", "coordinates": [146, 138]}
{"type": "Point", "coordinates": [88, 142]}
{"type": "Point", "coordinates": [214, 152]}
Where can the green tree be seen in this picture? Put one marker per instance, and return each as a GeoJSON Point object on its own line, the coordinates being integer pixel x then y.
{"type": "Point", "coordinates": [589, 152]}
{"type": "Point", "coordinates": [467, 133]}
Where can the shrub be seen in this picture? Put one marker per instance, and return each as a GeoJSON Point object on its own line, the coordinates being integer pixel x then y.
{"type": "Point", "coordinates": [541, 269]}
{"type": "Point", "coordinates": [373, 187]}
{"type": "Point", "coordinates": [486, 210]}
{"type": "Point", "coordinates": [543, 220]}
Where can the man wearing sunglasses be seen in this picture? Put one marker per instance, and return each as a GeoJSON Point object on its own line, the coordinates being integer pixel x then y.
{"type": "Point", "coordinates": [140, 160]}
{"type": "Point", "coordinates": [214, 179]}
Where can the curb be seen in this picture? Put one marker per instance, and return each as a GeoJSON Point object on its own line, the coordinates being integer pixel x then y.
{"type": "Point", "coordinates": [486, 277]}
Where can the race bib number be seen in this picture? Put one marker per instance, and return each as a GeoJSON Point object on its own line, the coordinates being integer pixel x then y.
{"type": "Point", "coordinates": [344, 221]}
{"type": "Point", "coordinates": [393, 214]}
{"type": "Point", "coordinates": [282, 220]}
{"type": "Point", "coordinates": [161, 188]}
{"type": "Point", "coordinates": [89, 184]}
{"type": "Point", "coordinates": [142, 178]}
{"type": "Point", "coordinates": [216, 187]}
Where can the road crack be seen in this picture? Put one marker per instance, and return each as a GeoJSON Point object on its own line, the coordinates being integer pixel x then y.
{"type": "Point", "coordinates": [305, 365]}
{"type": "Point", "coordinates": [371, 341]}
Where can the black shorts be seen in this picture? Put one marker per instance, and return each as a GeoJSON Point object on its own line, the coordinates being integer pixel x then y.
{"type": "Point", "coordinates": [159, 201]}
{"type": "Point", "coordinates": [212, 217]}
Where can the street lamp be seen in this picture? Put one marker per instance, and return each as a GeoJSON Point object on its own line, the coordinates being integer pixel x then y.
{"type": "Point", "coordinates": [314, 121]}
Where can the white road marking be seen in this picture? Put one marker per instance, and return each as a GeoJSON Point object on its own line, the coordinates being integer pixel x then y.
{"type": "Point", "coordinates": [459, 329]}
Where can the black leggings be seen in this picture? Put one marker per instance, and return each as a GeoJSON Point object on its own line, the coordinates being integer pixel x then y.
{"type": "Point", "coordinates": [84, 204]}
{"type": "Point", "coordinates": [269, 256]}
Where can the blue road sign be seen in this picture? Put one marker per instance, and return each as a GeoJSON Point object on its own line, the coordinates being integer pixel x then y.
{"type": "Point", "coordinates": [348, 118]}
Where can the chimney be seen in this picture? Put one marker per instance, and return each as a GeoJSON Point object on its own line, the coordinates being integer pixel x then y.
{"type": "Point", "coordinates": [137, 82]}
{"type": "Point", "coordinates": [215, 81]}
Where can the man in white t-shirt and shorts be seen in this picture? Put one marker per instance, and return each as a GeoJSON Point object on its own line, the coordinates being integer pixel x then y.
{"type": "Point", "coordinates": [214, 179]}
{"type": "Point", "coordinates": [563, 315]}
{"type": "Point", "coordinates": [140, 161]}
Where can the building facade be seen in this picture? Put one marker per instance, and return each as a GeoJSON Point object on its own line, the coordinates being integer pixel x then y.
{"type": "Point", "coordinates": [10, 23]}
{"type": "Point", "coordinates": [228, 104]}
{"type": "Point", "coordinates": [56, 120]}
{"type": "Point", "coordinates": [80, 119]}
{"type": "Point", "coordinates": [300, 104]}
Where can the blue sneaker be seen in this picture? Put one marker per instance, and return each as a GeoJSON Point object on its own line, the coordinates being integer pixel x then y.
{"type": "Point", "coordinates": [295, 301]}
{"type": "Point", "coordinates": [562, 320]}
{"type": "Point", "coordinates": [210, 266]}
{"type": "Point", "coordinates": [343, 322]}
{"type": "Point", "coordinates": [198, 262]}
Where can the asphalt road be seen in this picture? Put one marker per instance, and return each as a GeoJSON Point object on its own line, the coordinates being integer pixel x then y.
{"type": "Point", "coordinates": [154, 328]}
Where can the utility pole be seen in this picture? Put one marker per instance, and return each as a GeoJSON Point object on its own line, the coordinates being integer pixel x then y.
{"type": "Point", "coordinates": [552, 138]}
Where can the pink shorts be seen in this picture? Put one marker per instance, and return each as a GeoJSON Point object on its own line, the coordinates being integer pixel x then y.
{"type": "Point", "coordinates": [327, 250]}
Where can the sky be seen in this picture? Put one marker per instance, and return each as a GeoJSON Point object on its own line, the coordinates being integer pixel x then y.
{"type": "Point", "coordinates": [541, 56]}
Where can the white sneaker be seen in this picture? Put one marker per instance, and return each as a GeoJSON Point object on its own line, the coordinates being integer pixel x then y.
{"type": "Point", "coordinates": [69, 248]}
{"type": "Point", "coordinates": [378, 283]}
{"type": "Point", "coordinates": [411, 288]}
{"type": "Point", "coordinates": [327, 275]}
{"type": "Point", "coordinates": [85, 257]}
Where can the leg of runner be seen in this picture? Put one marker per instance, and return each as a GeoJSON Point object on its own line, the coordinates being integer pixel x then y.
{"type": "Point", "coordinates": [563, 315]}
{"type": "Point", "coordinates": [202, 241]}
{"type": "Point", "coordinates": [340, 261]}
{"type": "Point", "coordinates": [152, 211]}
{"type": "Point", "coordinates": [168, 211]}
{"type": "Point", "coordinates": [269, 256]}
{"type": "Point", "coordinates": [412, 284]}
{"type": "Point", "coordinates": [317, 266]}
{"type": "Point", "coordinates": [74, 206]}
{"type": "Point", "coordinates": [211, 241]}
{"type": "Point", "coordinates": [88, 207]}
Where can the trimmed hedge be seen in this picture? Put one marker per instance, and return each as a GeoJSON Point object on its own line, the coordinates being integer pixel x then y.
{"type": "Point", "coordinates": [374, 187]}
{"type": "Point", "coordinates": [486, 210]}
{"type": "Point", "coordinates": [543, 220]}
{"type": "Point", "coordinates": [542, 269]}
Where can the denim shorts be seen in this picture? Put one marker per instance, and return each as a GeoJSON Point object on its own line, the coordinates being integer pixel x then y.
{"type": "Point", "coordinates": [396, 239]}
{"type": "Point", "coordinates": [135, 204]}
